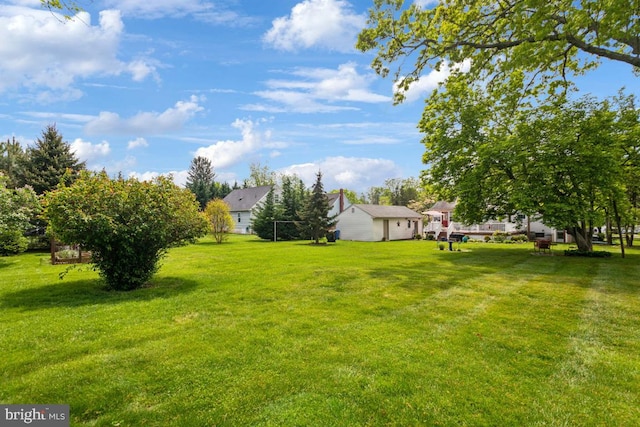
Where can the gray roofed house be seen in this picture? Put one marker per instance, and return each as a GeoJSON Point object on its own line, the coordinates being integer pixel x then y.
{"type": "Point", "coordinates": [337, 202]}
{"type": "Point", "coordinates": [242, 203]}
{"type": "Point", "coordinates": [372, 223]}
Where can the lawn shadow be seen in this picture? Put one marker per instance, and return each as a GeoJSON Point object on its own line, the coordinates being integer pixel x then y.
{"type": "Point", "coordinates": [91, 292]}
{"type": "Point", "coordinates": [421, 276]}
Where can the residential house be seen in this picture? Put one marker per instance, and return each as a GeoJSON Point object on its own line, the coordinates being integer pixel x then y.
{"type": "Point", "coordinates": [242, 205]}
{"type": "Point", "coordinates": [371, 223]}
{"type": "Point", "coordinates": [442, 225]}
{"type": "Point", "coordinates": [338, 202]}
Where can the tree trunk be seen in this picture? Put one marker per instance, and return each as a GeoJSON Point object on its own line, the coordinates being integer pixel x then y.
{"type": "Point", "coordinates": [609, 229]}
{"type": "Point", "coordinates": [583, 240]}
{"type": "Point", "coordinates": [617, 215]}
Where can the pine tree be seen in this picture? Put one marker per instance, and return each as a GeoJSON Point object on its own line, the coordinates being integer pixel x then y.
{"type": "Point", "coordinates": [49, 162]}
{"type": "Point", "coordinates": [200, 180]}
{"type": "Point", "coordinates": [315, 214]}
{"type": "Point", "coordinates": [293, 195]}
{"type": "Point", "coordinates": [12, 159]}
{"type": "Point", "coordinates": [265, 215]}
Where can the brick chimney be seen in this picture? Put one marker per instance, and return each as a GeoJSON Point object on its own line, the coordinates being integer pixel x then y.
{"type": "Point", "coordinates": [341, 200]}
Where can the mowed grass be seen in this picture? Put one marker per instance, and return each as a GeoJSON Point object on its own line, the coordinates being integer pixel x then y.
{"type": "Point", "coordinates": [348, 334]}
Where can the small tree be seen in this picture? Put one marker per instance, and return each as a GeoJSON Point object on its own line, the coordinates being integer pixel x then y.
{"type": "Point", "coordinates": [127, 225]}
{"type": "Point", "coordinates": [220, 219]}
{"type": "Point", "coordinates": [315, 220]}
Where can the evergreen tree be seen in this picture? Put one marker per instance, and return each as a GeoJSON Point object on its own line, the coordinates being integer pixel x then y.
{"type": "Point", "coordinates": [49, 162]}
{"type": "Point", "coordinates": [266, 214]}
{"type": "Point", "coordinates": [221, 189]}
{"type": "Point", "coordinates": [315, 214]}
{"type": "Point", "coordinates": [12, 159]}
{"type": "Point", "coordinates": [200, 180]}
{"type": "Point", "coordinates": [293, 196]}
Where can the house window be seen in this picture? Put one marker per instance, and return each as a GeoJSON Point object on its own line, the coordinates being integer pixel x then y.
{"type": "Point", "coordinates": [409, 223]}
{"type": "Point", "coordinates": [239, 217]}
{"type": "Point", "coordinates": [353, 210]}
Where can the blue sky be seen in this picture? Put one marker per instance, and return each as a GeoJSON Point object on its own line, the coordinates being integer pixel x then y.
{"type": "Point", "coordinates": [143, 86]}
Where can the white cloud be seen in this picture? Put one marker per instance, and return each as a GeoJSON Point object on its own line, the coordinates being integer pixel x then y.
{"type": "Point", "coordinates": [179, 177]}
{"type": "Point", "coordinates": [226, 153]}
{"type": "Point", "coordinates": [426, 84]}
{"type": "Point", "coordinates": [146, 123]}
{"type": "Point", "coordinates": [86, 151]}
{"type": "Point", "coordinates": [159, 8]}
{"type": "Point", "coordinates": [48, 53]}
{"type": "Point", "coordinates": [51, 116]}
{"type": "Point", "coordinates": [353, 173]}
{"type": "Point", "coordinates": [204, 11]}
{"type": "Point", "coordinates": [136, 143]}
{"type": "Point", "coordinates": [319, 90]}
{"type": "Point", "coordinates": [328, 24]}
{"type": "Point", "coordinates": [373, 140]}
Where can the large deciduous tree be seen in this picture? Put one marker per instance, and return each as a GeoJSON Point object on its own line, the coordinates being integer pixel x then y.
{"type": "Point", "coordinates": [563, 161]}
{"type": "Point", "coordinates": [49, 161]}
{"type": "Point", "coordinates": [509, 63]}
{"type": "Point", "coordinates": [127, 225]}
{"type": "Point", "coordinates": [259, 175]}
{"type": "Point", "coordinates": [220, 220]}
{"type": "Point", "coordinates": [497, 40]}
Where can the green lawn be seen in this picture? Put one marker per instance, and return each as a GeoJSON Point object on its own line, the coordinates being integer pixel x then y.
{"type": "Point", "coordinates": [290, 334]}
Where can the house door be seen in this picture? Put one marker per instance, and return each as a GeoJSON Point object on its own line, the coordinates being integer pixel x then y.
{"type": "Point", "coordinates": [385, 230]}
{"type": "Point", "coordinates": [445, 219]}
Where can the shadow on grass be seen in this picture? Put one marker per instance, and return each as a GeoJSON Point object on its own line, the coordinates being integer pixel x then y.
{"type": "Point", "coordinates": [92, 292]}
{"type": "Point", "coordinates": [441, 276]}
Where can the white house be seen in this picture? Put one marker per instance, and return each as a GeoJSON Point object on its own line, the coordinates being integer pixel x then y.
{"type": "Point", "coordinates": [338, 202]}
{"type": "Point", "coordinates": [442, 225]}
{"type": "Point", "coordinates": [371, 223]}
{"type": "Point", "coordinates": [242, 204]}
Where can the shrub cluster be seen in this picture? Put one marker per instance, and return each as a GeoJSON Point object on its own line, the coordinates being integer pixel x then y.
{"type": "Point", "coordinates": [12, 242]}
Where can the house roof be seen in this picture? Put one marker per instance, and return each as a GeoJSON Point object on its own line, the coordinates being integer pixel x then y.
{"type": "Point", "coordinates": [245, 199]}
{"type": "Point", "coordinates": [333, 197]}
{"type": "Point", "coordinates": [381, 211]}
{"type": "Point", "coordinates": [443, 206]}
